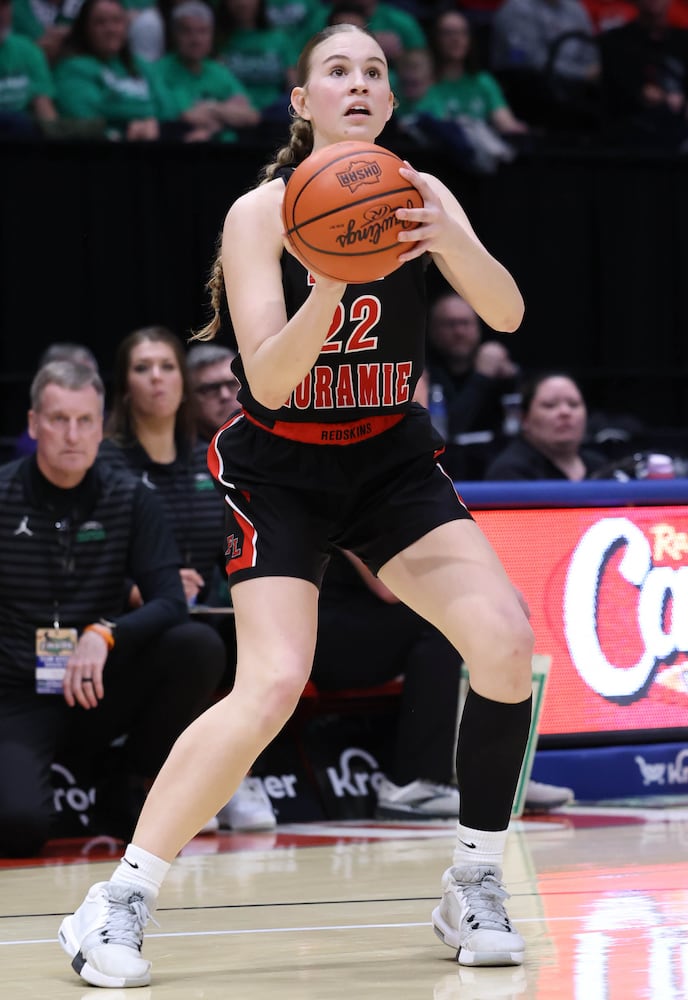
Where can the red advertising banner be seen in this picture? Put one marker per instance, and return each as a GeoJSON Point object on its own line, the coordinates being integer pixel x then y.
{"type": "Point", "coordinates": [607, 590]}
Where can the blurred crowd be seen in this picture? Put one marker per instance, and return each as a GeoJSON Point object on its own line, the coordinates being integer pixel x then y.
{"type": "Point", "coordinates": [482, 79]}
{"type": "Point", "coordinates": [116, 625]}
{"type": "Point", "coordinates": [81, 666]}
{"type": "Point", "coordinates": [501, 421]}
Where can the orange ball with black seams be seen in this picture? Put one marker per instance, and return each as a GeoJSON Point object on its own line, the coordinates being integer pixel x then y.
{"type": "Point", "coordinates": [339, 211]}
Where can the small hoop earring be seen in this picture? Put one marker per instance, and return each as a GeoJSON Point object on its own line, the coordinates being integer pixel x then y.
{"type": "Point", "coordinates": [293, 114]}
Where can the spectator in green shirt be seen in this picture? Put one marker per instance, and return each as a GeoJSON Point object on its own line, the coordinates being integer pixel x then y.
{"type": "Point", "coordinates": [415, 77]}
{"type": "Point", "coordinates": [296, 18]}
{"type": "Point", "coordinates": [462, 89]}
{"type": "Point", "coordinates": [103, 80]}
{"type": "Point", "coordinates": [47, 23]}
{"type": "Point", "coordinates": [396, 31]}
{"type": "Point", "coordinates": [262, 57]}
{"type": "Point", "coordinates": [26, 85]}
{"type": "Point", "coordinates": [203, 94]}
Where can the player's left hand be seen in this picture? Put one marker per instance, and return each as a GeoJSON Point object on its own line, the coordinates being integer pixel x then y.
{"type": "Point", "coordinates": [432, 233]}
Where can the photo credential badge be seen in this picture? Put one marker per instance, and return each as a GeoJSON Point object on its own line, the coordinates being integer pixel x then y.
{"type": "Point", "coordinates": [54, 646]}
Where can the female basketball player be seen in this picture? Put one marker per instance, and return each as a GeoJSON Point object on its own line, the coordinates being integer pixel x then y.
{"type": "Point", "coordinates": [310, 462]}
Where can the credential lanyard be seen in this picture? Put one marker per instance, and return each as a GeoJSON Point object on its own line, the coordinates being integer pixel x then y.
{"type": "Point", "coordinates": [65, 542]}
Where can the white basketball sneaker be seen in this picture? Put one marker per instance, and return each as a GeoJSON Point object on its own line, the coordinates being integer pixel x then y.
{"type": "Point", "coordinates": [104, 936]}
{"type": "Point", "coordinates": [249, 808]}
{"type": "Point", "coordinates": [417, 800]}
{"type": "Point", "coordinates": [471, 917]}
{"type": "Point", "coordinates": [541, 797]}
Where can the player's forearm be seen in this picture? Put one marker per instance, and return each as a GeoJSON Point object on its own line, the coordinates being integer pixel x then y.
{"type": "Point", "coordinates": [490, 289]}
{"type": "Point", "coordinates": [282, 361]}
{"type": "Point", "coordinates": [483, 282]}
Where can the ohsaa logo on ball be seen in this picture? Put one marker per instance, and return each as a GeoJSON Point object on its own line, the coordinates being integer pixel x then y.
{"type": "Point", "coordinates": [358, 173]}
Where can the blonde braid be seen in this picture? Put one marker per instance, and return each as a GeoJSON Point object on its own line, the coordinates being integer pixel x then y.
{"type": "Point", "coordinates": [215, 286]}
{"type": "Point", "coordinates": [299, 146]}
{"type": "Point", "coordinates": [297, 149]}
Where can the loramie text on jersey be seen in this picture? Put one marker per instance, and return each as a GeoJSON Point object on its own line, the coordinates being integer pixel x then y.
{"type": "Point", "coordinates": [376, 384]}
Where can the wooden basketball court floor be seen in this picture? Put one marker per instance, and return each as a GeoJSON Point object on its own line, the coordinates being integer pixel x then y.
{"type": "Point", "coordinates": [341, 912]}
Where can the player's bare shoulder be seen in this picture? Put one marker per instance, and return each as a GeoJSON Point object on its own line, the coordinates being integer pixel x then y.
{"type": "Point", "coordinates": [257, 213]}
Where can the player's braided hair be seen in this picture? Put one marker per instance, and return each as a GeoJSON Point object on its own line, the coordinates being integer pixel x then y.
{"type": "Point", "coordinates": [215, 286]}
{"type": "Point", "coordinates": [298, 147]}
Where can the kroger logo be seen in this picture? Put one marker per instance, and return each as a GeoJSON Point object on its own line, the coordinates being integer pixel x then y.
{"type": "Point", "coordinates": [78, 800]}
{"type": "Point", "coordinates": [355, 782]}
{"type": "Point", "coordinates": [673, 772]}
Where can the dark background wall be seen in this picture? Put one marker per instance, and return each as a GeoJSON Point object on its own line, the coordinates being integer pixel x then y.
{"type": "Point", "coordinates": [96, 240]}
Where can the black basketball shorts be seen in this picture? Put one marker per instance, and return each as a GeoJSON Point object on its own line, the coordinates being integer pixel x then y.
{"type": "Point", "coordinates": [288, 502]}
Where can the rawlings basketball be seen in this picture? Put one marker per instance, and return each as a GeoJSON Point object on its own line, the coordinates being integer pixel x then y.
{"type": "Point", "coordinates": [339, 211]}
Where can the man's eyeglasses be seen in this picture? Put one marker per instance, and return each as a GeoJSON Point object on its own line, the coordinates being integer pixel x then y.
{"type": "Point", "coordinates": [215, 388]}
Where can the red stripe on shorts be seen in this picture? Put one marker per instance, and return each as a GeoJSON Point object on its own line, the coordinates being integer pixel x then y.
{"type": "Point", "coordinates": [213, 456]}
{"type": "Point", "coordinates": [241, 555]}
{"type": "Point", "coordinates": [335, 433]}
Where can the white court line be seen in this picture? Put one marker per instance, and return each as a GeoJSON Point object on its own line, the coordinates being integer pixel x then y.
{"type": "Point", "coordinates": [293, 930]}
{"type": "Point", "coordinates": [657, 815]}
{"type": "Point", "coordinates": [355, 831]}
{"type": "Point", "coordinates": [433, 829]}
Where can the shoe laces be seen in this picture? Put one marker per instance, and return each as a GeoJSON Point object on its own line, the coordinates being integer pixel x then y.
{"type": "Point", "coordinates": [126, 919]}
{"type": "Point", "coordinates": [484, 897]}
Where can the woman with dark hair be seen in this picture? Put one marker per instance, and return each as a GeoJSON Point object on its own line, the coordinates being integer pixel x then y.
{"type": "Point", "coordinates": [462, 88]}
{"type": "Point", "coordinates": [102, 79]}
{"type": "Point", "coordinates": [553, 424]}
{"type": "Point", "coordinates": [151, 432]}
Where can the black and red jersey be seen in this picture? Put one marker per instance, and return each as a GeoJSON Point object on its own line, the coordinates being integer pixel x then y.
{"type": "Point", "coordinates": [372, 357]}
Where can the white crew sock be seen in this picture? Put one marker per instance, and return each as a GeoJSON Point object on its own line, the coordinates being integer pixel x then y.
{"type": "Point", "coordinates": [143, 870]}
{"type": "Point", "coordinates": [478, 847]}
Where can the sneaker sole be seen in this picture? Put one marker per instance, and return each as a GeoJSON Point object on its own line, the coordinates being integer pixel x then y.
{"type": "Point", "coordinates": [449, 936]}
{"type": "Point", "coordinates": [543, 807]}
{"type": "Point", "coordinates": [397, 812]}
{"type": "Point", "coordinates": [70, 945]}
{"type": "Point", "coordinates": [258, 827]}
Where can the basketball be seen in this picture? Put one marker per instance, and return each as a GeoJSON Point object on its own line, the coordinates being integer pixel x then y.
{"type": "Point", "coordinates": [339, 211]}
